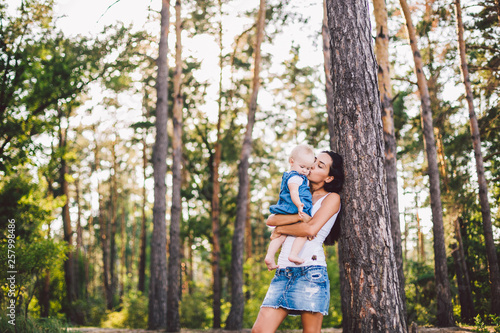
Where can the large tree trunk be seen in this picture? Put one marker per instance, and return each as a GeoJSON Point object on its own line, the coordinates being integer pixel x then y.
{"type": "Point", "coordinates": [385, 88]}
{"type": "Point", "coordinates": [174, 262]}
{"type": "Point", "coordinates": [328, 77]}
{"type": "Point", "coordinates": [463, 281]}
{"type": "Point", "coordinates": [444, 306]}
{"type": "Point", "coordinates": [215, 214]}
{"type": "Point", "coordinates": [158, 266]}
{"type": "Point", "coordinates": [371, 299]}
{"type": "Point", "coordinates": [235, 318]}
{"type": "Point", "coordinates": [483, 186]}
{"type": "Point", "coordinates": [142, 246]}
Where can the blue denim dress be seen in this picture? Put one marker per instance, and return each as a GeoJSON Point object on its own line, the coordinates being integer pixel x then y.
{"type": "Point", "coordinates": [285, 204]}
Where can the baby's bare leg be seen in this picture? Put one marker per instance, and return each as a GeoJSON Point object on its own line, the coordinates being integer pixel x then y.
{"type": "Point", "coordinates": [297, 245]}
{"type": "Point", "coordinates": [271, 252]}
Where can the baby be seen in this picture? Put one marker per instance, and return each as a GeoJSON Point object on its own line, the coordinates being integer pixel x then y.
{"type": "Point", "coordinates": [295, 197]}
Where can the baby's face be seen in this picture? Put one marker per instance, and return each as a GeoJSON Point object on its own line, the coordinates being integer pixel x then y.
{"type": "Point", "coordinates": [302, 164]}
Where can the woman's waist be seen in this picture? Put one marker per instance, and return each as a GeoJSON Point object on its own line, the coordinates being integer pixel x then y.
{"type": "Point", "coordinates": [298, 270]}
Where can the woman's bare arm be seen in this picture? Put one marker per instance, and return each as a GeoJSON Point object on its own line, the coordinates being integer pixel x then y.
{"type": "Point", "coordinates": [329, 207]}
{"type": "Point", "coordinates": [278, 219]}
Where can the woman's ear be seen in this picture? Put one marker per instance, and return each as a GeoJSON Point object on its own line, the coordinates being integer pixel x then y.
{"type": "Point", "coordinates": [329, 179]}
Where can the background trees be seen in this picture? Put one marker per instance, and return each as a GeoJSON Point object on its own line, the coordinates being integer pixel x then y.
{"type": "Point", "coordinates": [76, 130]}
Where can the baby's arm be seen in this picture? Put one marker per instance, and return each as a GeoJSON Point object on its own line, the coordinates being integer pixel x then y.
{"type": "Point", "coordinates": [294, 194]}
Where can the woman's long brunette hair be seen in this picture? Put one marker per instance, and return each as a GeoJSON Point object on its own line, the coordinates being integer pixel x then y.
{"type": "Point", "coordinates": [337, 171]}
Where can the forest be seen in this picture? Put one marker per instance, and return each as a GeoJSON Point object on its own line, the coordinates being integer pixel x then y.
{"type": "Point", "coordinates": [138, 163]}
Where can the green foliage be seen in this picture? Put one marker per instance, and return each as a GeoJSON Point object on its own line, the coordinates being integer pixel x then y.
{"type": "Point", "coordinates": [92, 310]}
{"type": "Point", "coordinates": [45, 325]}
{"type": "Point", "coordinates": [134, 313]}
{"type": "Point", "coordinates": [24, 201]}
{"type": "Point", "coordinates": [420, 293]}
{"type": "Point", "coordinates": [196, 309]}
{"type": "Point", "coordinates": [480, 326]}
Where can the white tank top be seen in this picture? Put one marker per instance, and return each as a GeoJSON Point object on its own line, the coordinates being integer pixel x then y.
{"type": "Point", "coordinates": [312, 251]}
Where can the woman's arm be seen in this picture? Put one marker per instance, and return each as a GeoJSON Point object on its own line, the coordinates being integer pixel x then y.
{"type": "Point", "coordinates": [278, 219]}
{"type": "Point", "coordinates": [329, 207]}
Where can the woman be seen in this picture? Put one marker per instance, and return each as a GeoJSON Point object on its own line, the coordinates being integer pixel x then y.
{"type": "Point", "coordinates": [305, 289]}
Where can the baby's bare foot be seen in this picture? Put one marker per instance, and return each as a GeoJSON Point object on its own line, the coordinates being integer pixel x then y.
{"type": "Point", "coordinates": [270, 263]}
{"type": "Point", "coordinates": [296, 259]}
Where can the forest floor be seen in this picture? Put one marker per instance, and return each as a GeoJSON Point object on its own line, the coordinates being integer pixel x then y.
{"type": "Point", "coordinates": [326, 330]}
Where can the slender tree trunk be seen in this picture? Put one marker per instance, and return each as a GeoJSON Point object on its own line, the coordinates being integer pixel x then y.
{"type": "Point", "coordinates": [113, 276]}
{"type": "Point", "coordinates": [467, 311]}
{"type": "Point", "coordinates": [235, 318]}
{"type": "Point", "coordinates": [142, 246]}
{"type": "Point", "coordinates": [79, 244]}
{"type": "Point", "coordinates": [421, 244]}
{"type": "Point", "coordinates": [215, 214]}
{"type": "Point", "coordinates": [328, 76]}
{"type": "Point", "coordinates": [385, 88]}
{"type": "Point", "coordinates": [174, 263]}
{"type": "Point", "coordinates": [103, 227]}
{"type": "Point", "coordinates": [483, 185]}
{"type": "Point", "coordinates": [67, 229]}
{"type": "Point", "coordinates": [248, 228]}
{"type": "Point", "coordinates": [123, 244]}
{"type": "Point", "coordinates": [90, 262]}
{"type": "Point", "coordinates": [444, 306]}
{"type": "Point", "coordinates": [371, 299]}
{"type": "Point", "coordinates": [158, 266]}
{"type": "Point", "coordinates": [45, 290]}
{"type": "Point", "coordinates": [133, 245]}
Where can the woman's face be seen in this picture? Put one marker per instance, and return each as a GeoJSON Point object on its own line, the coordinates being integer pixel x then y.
{"type": "Point", "coordinates": [320, 169]}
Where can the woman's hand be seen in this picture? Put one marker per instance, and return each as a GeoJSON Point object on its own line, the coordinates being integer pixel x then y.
{"type": "Point", "coordinates": [304, 217]}
{"type": "Point", "coordinates": [275, 234]}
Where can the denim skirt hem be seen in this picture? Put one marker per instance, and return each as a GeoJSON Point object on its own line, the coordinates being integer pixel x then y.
{"type": "Point", "coordinates": [293, 312]}
{"type": "Point", "coordinates": [299, 289]}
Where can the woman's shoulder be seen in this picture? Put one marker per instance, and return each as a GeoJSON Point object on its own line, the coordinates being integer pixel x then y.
{"type": "Point", "coordinates": [332, 200]}
{"type": "Point", "coordinates": [333, 196]}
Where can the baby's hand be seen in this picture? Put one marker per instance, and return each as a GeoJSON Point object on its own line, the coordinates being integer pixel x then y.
{"type": "Point", "coordinates": [300, 208]}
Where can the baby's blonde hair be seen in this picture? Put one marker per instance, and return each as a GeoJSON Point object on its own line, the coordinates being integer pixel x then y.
{"type": "Point", "coordinates": [302, 151]}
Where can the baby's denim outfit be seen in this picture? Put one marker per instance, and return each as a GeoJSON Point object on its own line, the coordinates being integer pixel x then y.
{"type": "Point", "coordinates": [285, 204]}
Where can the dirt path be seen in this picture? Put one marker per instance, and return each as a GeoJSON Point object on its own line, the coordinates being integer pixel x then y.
{"type": "Point", "coordinates": [328, 330]}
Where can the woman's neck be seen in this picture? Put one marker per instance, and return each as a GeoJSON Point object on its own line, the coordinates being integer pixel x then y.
{"type": "Point", "coordinates": [318, 189]}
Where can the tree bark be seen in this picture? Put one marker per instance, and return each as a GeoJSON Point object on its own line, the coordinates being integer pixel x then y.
{"type": "Point", "coordinates": [481, 178]}
{"type": "Point", "coordinates": [103, 226]}
{"type": "Point", "coordinates": [235, 318]}
{"type": "Point", "coordinates": [444, 306]}
{"type": "Point", "coordinates": [112, 227]}
{"type": "Point", "coordinates": [123, 254]}
{"type": "Point", "coordinates": [79, 287]}
{"type": "Point", "coordinates": [328, 77]}
{"type": "Point", "coordinates": [385, 89]}
{"type": "Point", "coordinates": [215, 214]}
{"type": "Point", "coordinates": [371, 299]}
{"type": "Point", "coordinates": [464, 288]}
{"type": "Point", "coordinates": [174, 263]}
{"type": "Point", "coordinates": [158, 266]}
{"type": "Point", "coordinates": [142, 246]}
{"type": "Point", "coordinates": [67, 229]}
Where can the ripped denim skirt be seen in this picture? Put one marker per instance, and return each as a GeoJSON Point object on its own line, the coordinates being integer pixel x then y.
{"type": "Point", "coordinates": [298, 289]}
